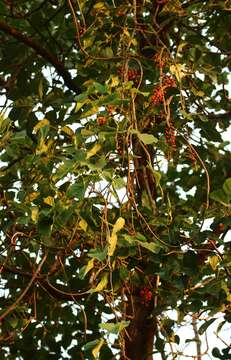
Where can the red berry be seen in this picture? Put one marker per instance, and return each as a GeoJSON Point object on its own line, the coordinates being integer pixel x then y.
{"type": "Point", "coordinates": [101, 120]}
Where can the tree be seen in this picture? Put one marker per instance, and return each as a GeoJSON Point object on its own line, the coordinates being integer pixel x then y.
{"type": "Point", "coordinates": [112, 163]}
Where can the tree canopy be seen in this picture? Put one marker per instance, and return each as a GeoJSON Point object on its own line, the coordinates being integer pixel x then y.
{"type": "Point", "coordinates": [115, 178]}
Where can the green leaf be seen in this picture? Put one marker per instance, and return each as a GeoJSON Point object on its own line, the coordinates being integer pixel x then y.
{"type": "Point", "coordinates": [77, 190]}
{"type": "Point", "coordinates": [83, 272]}
{"type": "Point", "coordinates": [96, 148]}
{"type": "Point", "coordinates": [89, 112]}
{"type": "Point", "coordinates": [98, 254]}
{"type": "Point", "coordinates": [216, 353]}
{"type": "Point", "coordinates": [101, 285]}
{"type": "Point", "coordinates": [108, 52]}
{"type": "Point", "coordinates": [102, 89]}
{"type": "Point", "coordinates": [205, 326]}
{"type": "Point", "coordinates": [90, 345]}
{"type": "Point", "coordinates": [154, 248]}
{"type": "Point", "coordinates": [114, 328]}
{"type": "Point", "coordinates": [13, 322]}
{"type": "Point", "coordinates": [97, 348]}
{"type": "Point", "coordinates": [20, 135]}
{"type": "Point", "coordinates": [147, 139]}
{"type": "Point", "coordinates": [220, 196]}
{"type": "Point", "coordinates": [119, 183]}
{"type": "Point", "coordinates": [112, 99]}
{"type": "Point", "coordinates": [227, 187]}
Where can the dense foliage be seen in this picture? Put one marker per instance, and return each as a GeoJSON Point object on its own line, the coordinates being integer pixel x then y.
{"type": "Point", "coordinates": [113, 164]}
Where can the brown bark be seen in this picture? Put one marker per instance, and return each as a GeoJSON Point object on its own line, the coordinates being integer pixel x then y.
{"type": "Point", "coordinates": [139, 335]}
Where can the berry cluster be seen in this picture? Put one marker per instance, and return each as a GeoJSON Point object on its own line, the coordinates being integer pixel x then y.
{"type": "Point", "coordinates": [159, 91]}
{"type": "Point", "coordinates": [168, 82]}
{"type": "Point", "coordinates": [170, 136]}
{"type": "Point", "coordinates": [111, 109]}
{"type": "Point", "coordinates": [219, 229]}
{"type": "Point", "coordinates": [158, 95]}
{"type": "Point", "coordinates": [160, 60]}
{"type": "Point", "coordinates": [132, 74]}
{"type": "Point", "coordinates": [146, 295]}
{"type": "Point", "coordinates": [101, 120]}
{"type": "Point", "coordinates": [162, 2]}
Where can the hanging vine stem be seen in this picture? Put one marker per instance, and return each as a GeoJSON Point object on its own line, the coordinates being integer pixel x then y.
{"type": "Point", "coordinates": [13, 306]}
{"type": "Point", "coordinates": [203, 166]}
{"type": "Point", "coordinates": [197, 338]}
{"type": "Point", "coordinates": [77, 28]}
{"type": "Point", "coordinates": [223, 341]}
{"type": "Point", "coordinates": [81, 13]}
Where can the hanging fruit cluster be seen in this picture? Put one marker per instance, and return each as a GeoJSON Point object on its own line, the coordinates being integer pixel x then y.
{"type": "Point", "coordinates": [101, 120]}
{"type": "Point", "coordinates": [168, 82]}
{"type": "Point", "coordinates": [146, 295]}
{"type": "Point", "coordinates": [161, 60]}
{"type": "Point", "coordinates": [158, 95]}
{"type": "Point", "coordinates": [170, 135]}
{"type": "Point", "coordinates": [159, 91]}
{"type": "Point", "coordinates": [132, 74]}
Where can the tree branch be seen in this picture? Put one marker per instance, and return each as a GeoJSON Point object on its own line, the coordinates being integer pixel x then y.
{"type": "Point", "coordinates": [45, 284]}
{"type": "Point", "coordinates": [31, 43]}
{"type": "Point", "coordinates": [217, 117]}
{"type": "Point", "coordinates": [33, 277]}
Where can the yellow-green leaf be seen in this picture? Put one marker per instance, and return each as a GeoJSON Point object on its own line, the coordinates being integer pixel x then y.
{"type": "Point", "coordinates": [156, 174]}
{"type": "Point", "coordinates": [42, 147]}
{"type": "Point", "coordinates": [99, 5]}
{"type": "Point", "coordinates": [178, 70]}
{"type": "Point", "coordinates": [213, 261]}
{"type": "Point", "coordinates": [83, 224]}
{"type": "Point", "coordinates": [93, 151]}
{"type": "Point", "coordinates": [32, 196]}
{"type": "Point", "coordinates": [89, 266]}
{"type": "Point", "coordinates": [85, 132]}
{"type": "Point", "coordinates": [94, 110]}
{"type": "Point", "coordinates": [41, 124]}
{"type": "Point", "coordinates": [67, 130]}
{"type": "Point", "coordinates": [101, 285]}
{"type": "Point", "coordinates": [79, 104]}
{"type": "Point", "coordinates": [114, 328]}
{"type": "Point", "coordinates": [147, 139]}
{"type": "Point", "coordinates": [114, 81]}
{"type": "Point", "coordinates": [40, 90]}
{"type": "Point", "coordinates": [196, 92]}
{"type": "Point", "coordinates": [49, 200]}
{"type": "Point", "coordinates": [34, 213]}
{"type": "Point", "coordinates": [112, 244]}
{"type": "Point", "coordinates": [87, 42]}
{"type": "Point", "coordinates": [119, 224]}
{"type": "Point", "coordinates": [97, 348]}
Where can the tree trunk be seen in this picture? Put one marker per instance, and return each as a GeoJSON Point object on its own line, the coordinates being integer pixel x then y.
{"type": "Point", "coordinates": [139, 335]}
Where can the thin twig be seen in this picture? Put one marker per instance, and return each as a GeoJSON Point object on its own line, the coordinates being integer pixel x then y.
{"type": "Point", "coordinates": [13, 306]}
